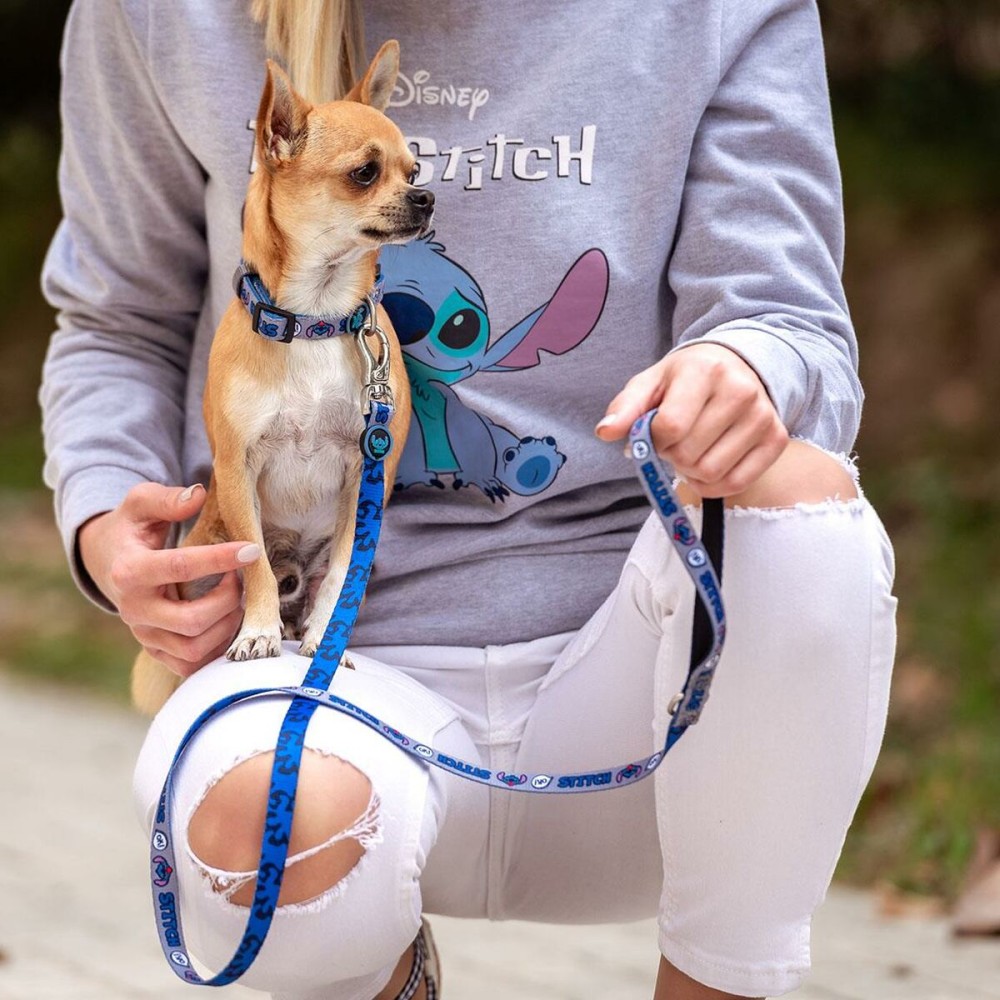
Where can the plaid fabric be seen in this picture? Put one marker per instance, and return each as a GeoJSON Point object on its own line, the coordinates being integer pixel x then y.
{"type": "Point", "coordinates": [424, 966]}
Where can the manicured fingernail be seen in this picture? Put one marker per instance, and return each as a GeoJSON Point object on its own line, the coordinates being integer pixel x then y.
{"type": "Point", "coordinates": [189, 492]}
{"type": "Point", "coordinates": [248, 554]}
{"type": "Point", "coordinates": [605, 421]}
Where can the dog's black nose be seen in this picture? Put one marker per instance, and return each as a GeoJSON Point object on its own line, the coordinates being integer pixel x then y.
{"type": "Point", "coordinates": [421, 198]}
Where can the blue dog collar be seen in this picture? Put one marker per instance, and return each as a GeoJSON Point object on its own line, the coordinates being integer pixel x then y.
{"type": "Point", "coordinates": [274, 323]}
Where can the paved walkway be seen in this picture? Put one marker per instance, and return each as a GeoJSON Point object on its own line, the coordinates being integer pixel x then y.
{"type": "Point", "coordinates": [75, 919]}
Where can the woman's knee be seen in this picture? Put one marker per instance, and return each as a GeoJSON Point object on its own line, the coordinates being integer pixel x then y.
{"type": "Point", "coordinates": [335, 814]}
{"type": "Point", "coordinates": [803, 474]}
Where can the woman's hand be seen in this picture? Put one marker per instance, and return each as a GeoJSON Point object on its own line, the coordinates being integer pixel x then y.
{"type": "Point", "coordinates": [716, 424]}
{"type": "Point", "coordinates": [123, 552]}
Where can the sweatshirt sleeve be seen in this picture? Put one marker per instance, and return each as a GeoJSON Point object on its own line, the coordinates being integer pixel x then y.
{"type": "Point", "coordinates": [125, 272]}
{"type": "Point", "coordinates": [757, 262]}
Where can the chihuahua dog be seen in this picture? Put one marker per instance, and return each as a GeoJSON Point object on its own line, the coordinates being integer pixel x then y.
{"type": "Point", "coordinates": [284, 414]}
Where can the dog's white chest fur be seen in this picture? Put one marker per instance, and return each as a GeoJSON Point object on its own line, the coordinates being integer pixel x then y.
{"type": "Point", "coordinates": [307, 433]}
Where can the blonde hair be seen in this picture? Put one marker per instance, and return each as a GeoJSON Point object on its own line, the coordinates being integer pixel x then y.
{"type": "Point", "coordinates": [320, 42]}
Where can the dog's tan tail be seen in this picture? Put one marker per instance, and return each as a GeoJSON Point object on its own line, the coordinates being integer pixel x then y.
{"type": "Point", "coordinates": [152, 684]}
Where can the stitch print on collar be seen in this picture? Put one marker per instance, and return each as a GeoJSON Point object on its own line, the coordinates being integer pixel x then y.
{"type": "Point", "coordinates": [274, 323]}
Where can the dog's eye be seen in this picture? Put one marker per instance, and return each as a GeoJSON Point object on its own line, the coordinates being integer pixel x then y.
{"type": "Point", "coordinates": [366, 174]}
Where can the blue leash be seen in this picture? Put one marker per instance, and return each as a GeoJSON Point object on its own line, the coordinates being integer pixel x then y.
{"type": "Point", "coordinates": [707, 641]}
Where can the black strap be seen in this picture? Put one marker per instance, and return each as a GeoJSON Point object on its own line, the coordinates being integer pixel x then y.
{"type": "Point", "coordinates": [712, 512]}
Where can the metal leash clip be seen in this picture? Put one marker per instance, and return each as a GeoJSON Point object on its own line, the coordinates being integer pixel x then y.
{"type": "Point", "coordinates": [376, 386]}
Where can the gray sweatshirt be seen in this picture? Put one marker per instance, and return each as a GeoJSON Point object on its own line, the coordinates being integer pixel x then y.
{"type": "Point", "coordinates": [613, 180]}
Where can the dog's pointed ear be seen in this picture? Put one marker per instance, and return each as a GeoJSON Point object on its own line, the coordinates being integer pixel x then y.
{"type": "Point", "coordinates": [376, 86]}
{"type": "Point", "coordinates": [281, 119]}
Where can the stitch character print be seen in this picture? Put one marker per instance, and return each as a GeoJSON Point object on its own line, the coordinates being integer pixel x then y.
{"type": "Point", "coordinates": [440, 316]}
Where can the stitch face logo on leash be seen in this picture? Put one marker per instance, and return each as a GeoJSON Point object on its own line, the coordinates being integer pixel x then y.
{"type": "Point", "coordinates": [376, 442]}
{"type": "Point", "coordinates": [162, 872]}
{"type": "Point", "coordinates": [512, 780]}
{"type": "Point", "coordinates": [396, 735]}
{"type": "Point", "coordinates": [683, 532]}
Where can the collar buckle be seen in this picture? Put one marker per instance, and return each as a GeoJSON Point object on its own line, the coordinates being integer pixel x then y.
{"type": "Point", "coordinates": [262, 313]}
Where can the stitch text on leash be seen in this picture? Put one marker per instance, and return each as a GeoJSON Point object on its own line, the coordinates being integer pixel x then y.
{"type": "Point", "coordinates": [708, 582]}
{"type": "Point", "coordinates": [462, 767]}
{"type": "Point", "coordinates": [659, 490]}
{"type": "Point", "coordinates": [584, 780]}
{"type": "Point", "coordinates": [168, 918]}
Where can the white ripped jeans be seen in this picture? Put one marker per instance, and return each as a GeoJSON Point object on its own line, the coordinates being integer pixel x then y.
{"type": "Point", "coordinates": [734, 842]}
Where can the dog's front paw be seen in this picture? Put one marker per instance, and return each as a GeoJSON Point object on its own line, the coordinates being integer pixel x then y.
{"type": "Point", "coordinates": [312, 635]}
{"type": "Point", "coordinates": [308, 650]}
{"type": "Point", "coordinates": [254, 644]}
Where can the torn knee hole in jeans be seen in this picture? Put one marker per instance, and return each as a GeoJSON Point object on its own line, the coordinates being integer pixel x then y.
{"type": "Point", "coordinates": [854, 503]}
{"type": "Point", "coordinates": [366, 830]}
{"type": "Point", "coordinates": [851, 504]}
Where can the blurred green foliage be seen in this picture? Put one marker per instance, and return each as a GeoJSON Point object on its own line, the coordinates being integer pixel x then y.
{"type": "Point", "coordinates": [29, 212]}
{"type": "Point", "coordinates": [916, 92]}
